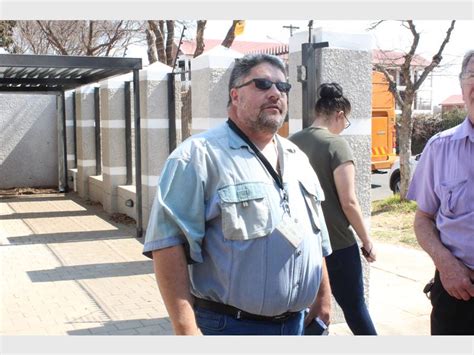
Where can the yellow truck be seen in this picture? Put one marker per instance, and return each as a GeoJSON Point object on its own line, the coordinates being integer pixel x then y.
{"type": "Point", "coordinates": [383, 124]}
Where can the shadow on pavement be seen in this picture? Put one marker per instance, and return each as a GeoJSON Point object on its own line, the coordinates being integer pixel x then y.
{"type": "Point", "coordinates": [92, 271]}
{"type": "Point", "coordinates": [156, 326]}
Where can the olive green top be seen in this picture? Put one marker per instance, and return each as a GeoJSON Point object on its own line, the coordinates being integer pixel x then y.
{"type": "Point", "coordinates": [326, 151]}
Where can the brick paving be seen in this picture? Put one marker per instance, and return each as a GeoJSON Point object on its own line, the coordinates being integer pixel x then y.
{"type": "Point", "coordinates": [67, 269]}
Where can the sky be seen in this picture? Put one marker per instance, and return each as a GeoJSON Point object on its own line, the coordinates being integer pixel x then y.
{"type": "Point", "coordinates": [388, 35]}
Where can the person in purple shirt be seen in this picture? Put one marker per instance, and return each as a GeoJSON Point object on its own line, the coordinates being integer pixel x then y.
{"type": "Point", "coordinates": [443, 187]}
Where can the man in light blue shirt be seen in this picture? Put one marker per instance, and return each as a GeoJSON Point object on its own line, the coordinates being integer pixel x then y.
{"type": "Point", "coordinates": [444, 222]}
{"type": "Point", "coordinates": [236, 231]}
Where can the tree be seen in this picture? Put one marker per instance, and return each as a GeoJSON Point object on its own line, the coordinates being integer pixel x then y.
{"type": "Point", "coordinates": [6, 35]}
{"type": "Point", "coordinates": [201, 25]}
{"type": "Point", "coordinates": [91, 38]}
{"type": "Point", "coordinates": [406, 98]}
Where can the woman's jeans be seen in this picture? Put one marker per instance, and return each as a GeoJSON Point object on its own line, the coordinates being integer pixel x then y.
{"type": "Point", "coordinates": [345, 275]}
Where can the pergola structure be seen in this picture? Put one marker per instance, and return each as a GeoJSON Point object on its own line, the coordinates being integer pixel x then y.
{"type": "Point", "coordinates": [56, 74]}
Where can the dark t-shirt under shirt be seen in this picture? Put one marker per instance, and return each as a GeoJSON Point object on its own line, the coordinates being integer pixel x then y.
{"type": "Point", "coordinates": [326, 151]}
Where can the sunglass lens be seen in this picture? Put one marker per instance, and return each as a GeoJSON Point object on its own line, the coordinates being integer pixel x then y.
{"type": "Point", "coordinates": [263, 84]}
{"type": "Point", "coordinates": [283, 87]}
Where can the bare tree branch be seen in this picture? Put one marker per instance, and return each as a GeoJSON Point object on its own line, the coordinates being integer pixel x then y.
{"type": "Point", "coordinates": [374, 25]}
{"type": "Point", "coordinates": [151, 46]}
{"type": "Point", "coordinates": [89, 50]}
{"type": "Point", "coordinates": [157, 28]}
{"type": "Point", "coordinates": [201, 25]}
{"type": "Point", "coordinates": [45, 26]}
{"type": "Point", "coordinates": [436, 58]}
{"type": "Point", "coordinates": [229, 38]}
{"type": "Point", "coordinates": [406, 66]}
{"type": "Point", "coordinates": [169, 42]}
{"type": "Point", "coordinates": [392, 85]}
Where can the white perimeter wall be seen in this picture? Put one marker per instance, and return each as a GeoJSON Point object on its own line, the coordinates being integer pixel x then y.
{"type": "Point", "coordinates": [28, 140]}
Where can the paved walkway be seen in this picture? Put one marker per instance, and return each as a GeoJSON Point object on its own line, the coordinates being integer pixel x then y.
{"type": "Point", "coordinates": [67, 269]}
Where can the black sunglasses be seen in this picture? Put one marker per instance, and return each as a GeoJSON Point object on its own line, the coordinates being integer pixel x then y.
{"type": "Point", "coordinates": [265, 84]}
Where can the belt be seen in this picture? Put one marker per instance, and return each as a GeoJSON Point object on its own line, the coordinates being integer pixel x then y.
{"type": "Point", "coordinates": [238, 313]}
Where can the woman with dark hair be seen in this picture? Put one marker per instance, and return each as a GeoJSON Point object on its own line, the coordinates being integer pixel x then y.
{"type": "Point", "coordinates": [331, 158]}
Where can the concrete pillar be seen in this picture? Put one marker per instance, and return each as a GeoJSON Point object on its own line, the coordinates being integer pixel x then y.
{"type": "Point", "coordinates": [347, 61]}
{"type": "Point", "coordinates": [86, 164]}
{"type": "Point", "coordinates": [154, 129]}
{"type": "Point", "coordinates": [114, 171]}
{"type": "Point", "coordinates": [69, 129]}
{"type": "Point", "coordinates": [70, 138]}
{"type": "Point", "coordinates": [209, 81]}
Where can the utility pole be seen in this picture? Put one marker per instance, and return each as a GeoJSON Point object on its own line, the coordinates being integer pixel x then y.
{"type": "Point", "coordinates": [291, 28]}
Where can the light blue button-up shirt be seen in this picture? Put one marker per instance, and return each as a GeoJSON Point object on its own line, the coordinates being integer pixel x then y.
{"type": "Point", "coordinates": [217, 198]}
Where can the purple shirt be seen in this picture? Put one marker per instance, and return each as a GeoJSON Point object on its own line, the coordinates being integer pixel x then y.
{"type": "Point", "coordinates": [443, 186]}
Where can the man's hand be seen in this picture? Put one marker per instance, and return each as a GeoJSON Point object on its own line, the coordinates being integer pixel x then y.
{"type": "Point", "coordinates": [321, 307]}
{"type": "Point", "coordinates": [457, 279]}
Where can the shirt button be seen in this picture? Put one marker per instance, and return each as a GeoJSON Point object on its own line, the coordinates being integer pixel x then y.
{"type": "Point", "coordinates": [298, 253]}
{"type": "Point", "coordinates": [296, 220]}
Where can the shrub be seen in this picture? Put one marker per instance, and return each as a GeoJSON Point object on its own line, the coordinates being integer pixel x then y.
{"type": "Point", "coordinates": [426, 125]}
{"type": "Point", "coordinates": [453, 118]}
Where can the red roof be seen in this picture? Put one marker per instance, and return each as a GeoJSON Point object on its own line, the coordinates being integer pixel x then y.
{"type": "Point", "coordinates": [453, 100]}
{"type": "Point", "coordinates": [396, 58]}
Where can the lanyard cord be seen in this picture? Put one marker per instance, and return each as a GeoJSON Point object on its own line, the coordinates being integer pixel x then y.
{"type": "Point", "coordinates": [265, 162]}
{"type": "Point", "coordinates": [257, 151]}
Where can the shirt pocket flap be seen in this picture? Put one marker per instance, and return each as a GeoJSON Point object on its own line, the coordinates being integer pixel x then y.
{"type": "Point", "coordinates": [313, 189]}
{"type": "Point", "coordinates": [245, 211]}
{"type": "Point", "coordinates": [313, 195]}
{"type": "Point", "coordinates": [241, 193]}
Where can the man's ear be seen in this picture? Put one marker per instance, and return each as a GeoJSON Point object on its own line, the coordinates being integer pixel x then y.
{"type": "Point", "coordinates": [234, 94]}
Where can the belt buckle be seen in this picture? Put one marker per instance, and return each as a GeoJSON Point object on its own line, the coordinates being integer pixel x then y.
{"type": "Point", "coordinates": [280, 317]}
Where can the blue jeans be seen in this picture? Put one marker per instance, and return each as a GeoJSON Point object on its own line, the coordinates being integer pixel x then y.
{"type": "Point", "coordinates": [345, 276]}
{"type": "Point", "coordinates": [213, 323]}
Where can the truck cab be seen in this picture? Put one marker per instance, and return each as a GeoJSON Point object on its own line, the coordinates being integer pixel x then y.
{"type": "Point", "coordinates": [383, 124]}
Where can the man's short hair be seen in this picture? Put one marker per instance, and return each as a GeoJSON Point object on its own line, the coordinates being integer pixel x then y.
{"type": "Point", "coordinates": [467, 58]}
{"type": "Point", "coordinates": [244, 65]}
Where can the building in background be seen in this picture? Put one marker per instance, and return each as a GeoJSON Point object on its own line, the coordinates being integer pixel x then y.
{"type": "Point", "coordinates": [453, 102]}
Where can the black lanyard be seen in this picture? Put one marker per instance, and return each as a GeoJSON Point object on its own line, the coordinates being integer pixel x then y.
{"type": "Point", "coordinates": [263, 159]}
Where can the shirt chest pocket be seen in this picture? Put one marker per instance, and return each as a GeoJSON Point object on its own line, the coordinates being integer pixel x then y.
{"type": "Point", "coordinates": [313, 197]}
{"type": "Point", "coordinates": [454, 197]}
{"type": "Point", "coordinates": [245, 211]}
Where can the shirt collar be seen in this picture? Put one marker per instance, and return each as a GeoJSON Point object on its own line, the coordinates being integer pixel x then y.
{"type": "Point", "coordinates": [236, 142]}
{"type": "Point", "coordinates": [466, 129]}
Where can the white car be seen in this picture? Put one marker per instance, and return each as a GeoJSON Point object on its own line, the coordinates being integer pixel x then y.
{"type": "Point", "coordinates": [394, 173]}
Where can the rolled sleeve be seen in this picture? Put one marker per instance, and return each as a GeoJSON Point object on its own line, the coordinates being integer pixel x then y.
{"type": "Point", "coordinates": [178, 212]}
{"type": "Point", "coordinates": [422, 186]}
